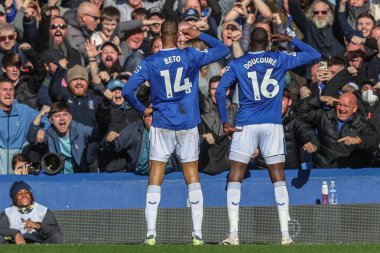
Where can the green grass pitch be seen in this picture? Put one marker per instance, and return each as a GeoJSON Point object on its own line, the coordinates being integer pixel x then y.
{"type": "Point", "coordinates": [177, 248]}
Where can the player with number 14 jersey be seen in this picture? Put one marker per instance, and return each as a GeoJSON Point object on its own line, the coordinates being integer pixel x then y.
{"type": "Point", "coordinates": [173, 76]}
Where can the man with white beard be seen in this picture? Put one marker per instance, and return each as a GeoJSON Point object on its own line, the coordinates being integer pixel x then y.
{"type": "Point", "coordinates": [317, 26]}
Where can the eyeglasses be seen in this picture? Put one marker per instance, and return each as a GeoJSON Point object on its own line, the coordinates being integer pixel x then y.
{"type": "Point", "coordinates": [231, 27]}
{"type": "Point", "coordinates": [10, 37]}
{"type": "Point", "coordinates": [320, 12]}
{"type": "Point", "coordinates": [56, 26]}
{"type": "Point", "coordinates": [96, 18]}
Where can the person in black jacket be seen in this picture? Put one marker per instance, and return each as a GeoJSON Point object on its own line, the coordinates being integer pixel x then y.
{"type": "Point", "coordinates": [52, 34]}
{"type": "Point", "coordinates": [27, 221]}
{"type": "Point", "coordinates": [215, 144]}
{"type": "Point", "coordinates": [113, 116]}
{"type": "Point", "coordinates": [26, 80]}
{"type": "Point", "coordinates": [342, 139]}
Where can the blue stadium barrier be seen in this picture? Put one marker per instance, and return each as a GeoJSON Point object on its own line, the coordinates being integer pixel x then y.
{"type": "Point", "coordinates": [125, 190]}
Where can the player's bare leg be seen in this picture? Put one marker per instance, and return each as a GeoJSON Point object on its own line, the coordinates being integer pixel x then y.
{"type": "Point", "coordinates": [190, 173]}
{"type": "Point", "coordinates": [277, 176]}
{"type": "Point", "coordinates": [153, 198]}
{"type": "Point", "coordinates": [235, 177]}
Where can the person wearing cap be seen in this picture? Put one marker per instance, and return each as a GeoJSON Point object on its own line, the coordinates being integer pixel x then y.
{"type": "Point", "coordinates": [65, 137]}
{"type": "Point", "coordinates": [193, 18]}
{"type": "Point", "coordinates": [212, 20]}
{"type": "Point", "coordinates": [81, 100]}
{"type": "Point", "coordinates": [115, 115]}
{"type": "Point", "coordinates": [155, 13]}
{"type": "Point", "coordinates": [15, 119]}
{"type": "Point", "coordinates": [27, 221]}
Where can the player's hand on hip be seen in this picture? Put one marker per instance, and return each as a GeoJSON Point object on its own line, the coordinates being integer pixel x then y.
{"type": "Point", "coordinates": [229, 130]}
{"type": "Point", "coordinates": [148, 111]}
{"type": "Point", "coordinates": [190, 33]}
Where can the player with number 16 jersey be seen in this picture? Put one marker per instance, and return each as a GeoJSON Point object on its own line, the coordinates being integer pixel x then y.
{"type": "Point", "coordinates": [261, 81]}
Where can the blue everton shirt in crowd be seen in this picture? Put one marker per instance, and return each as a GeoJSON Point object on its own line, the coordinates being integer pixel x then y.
{"type": "Point", "coordinates": [173, 76]}
{"type": "Point", "coordinates": [261, 82]}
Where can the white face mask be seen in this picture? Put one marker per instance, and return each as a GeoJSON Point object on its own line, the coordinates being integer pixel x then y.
{"type": "Point", "coordinates": [369, 97]}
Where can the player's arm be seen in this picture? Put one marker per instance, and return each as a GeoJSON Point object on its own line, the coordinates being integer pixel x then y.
{"type": "Point", "coordinates": [225, 82]}
{"type": "Point", "coordinates": [140, 75]}
{"type": "Point", "coordinates": [216, 51]}
{"type": "Point", "coordinates": [306, 55]}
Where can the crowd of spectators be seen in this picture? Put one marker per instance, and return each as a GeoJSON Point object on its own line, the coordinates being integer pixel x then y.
{"type": "Point", "coordinates": [64, 64]}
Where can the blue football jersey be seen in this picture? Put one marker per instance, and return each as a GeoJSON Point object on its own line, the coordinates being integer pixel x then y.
{"type": "Point", "coordinates": [261, 81]}
{"type": "Point", "coordinates": [173, 76]}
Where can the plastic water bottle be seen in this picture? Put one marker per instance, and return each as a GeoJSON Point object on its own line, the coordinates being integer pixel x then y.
{"type": "Point", "coordinates": [325, 193]}
{"type": "Point", "coordinates": [333, 200]}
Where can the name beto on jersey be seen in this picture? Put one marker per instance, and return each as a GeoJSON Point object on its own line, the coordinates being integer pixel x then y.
{"type": "Point", "coordinates": [172, 59]}
{"type": "Point", "coordinates": [254, 61]}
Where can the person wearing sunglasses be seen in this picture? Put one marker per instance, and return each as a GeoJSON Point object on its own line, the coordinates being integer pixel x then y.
{"type": "Point", "coordinates": [82, 26]}
{"type": "Point", "coordinates": [317, 27]}
{"type": "Point", "coordinates": [8, 36]}
{"type": "Point", "coordinates": [56, 38]}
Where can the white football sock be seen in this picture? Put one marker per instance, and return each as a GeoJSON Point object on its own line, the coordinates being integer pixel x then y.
{"type": "Point", "coordinates": [233, 204]}
{"type": "Point", "coordinates": [282, 200]}
{"type": "Point", "coordinates": [153, 197]}
{"type": "Point", "coordinates": [196, 202]}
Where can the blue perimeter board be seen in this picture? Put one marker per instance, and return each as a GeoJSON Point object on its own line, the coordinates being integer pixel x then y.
{"type": "Point", "coordinates": [126, 190]}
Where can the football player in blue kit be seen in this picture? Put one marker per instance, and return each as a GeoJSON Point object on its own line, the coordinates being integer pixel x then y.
{"type": "Point", "coordinates": [173, 77]}
{"type": "Point", "coordinates": [260, 74]}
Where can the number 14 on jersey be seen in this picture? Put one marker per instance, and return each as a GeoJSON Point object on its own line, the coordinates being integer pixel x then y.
{"type": "Point", "coordinates": [177, 82]}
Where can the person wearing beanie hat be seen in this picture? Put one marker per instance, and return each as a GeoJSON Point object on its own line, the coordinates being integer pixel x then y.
{"type": "Point", "coordinates": [27, 221]}
{"type": "Point", "coordinates": [77, 72]}
{"type": "Point", "coordinates": [18, 186]}
{"type": "Point", "coordinates": [82, 102]}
